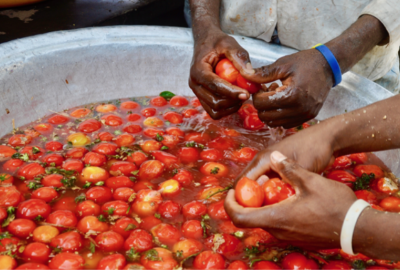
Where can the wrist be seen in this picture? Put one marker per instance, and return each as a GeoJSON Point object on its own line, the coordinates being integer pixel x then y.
{"type": "Point", "coordinates": [363, 236]}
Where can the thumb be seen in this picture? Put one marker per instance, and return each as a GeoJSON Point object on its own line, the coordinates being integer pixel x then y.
{"type": "Point", "coordinates": [289, 170]}
{"type": "Point", "coordinates": [265, 74]}
{"type": "Point", "coordinates": [240, 59]}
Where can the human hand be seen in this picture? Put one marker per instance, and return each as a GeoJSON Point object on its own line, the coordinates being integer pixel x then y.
{"type": "Point", "coordinates": [313, 217]}
{"type": "Point", "coordinates": [217, 96]}
{"type": "Point", "coordinates": [306, 80]}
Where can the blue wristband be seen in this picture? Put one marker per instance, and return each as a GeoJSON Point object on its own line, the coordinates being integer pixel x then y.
{"type": "Point", "coordinates": [333, 63]}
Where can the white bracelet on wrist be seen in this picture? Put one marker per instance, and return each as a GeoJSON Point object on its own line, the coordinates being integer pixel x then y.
{"type": "Point", "coordinates": [349, 224]}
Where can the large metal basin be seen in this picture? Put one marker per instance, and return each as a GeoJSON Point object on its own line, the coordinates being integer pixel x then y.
{"type": "Point", "coordinates": [60, 70]}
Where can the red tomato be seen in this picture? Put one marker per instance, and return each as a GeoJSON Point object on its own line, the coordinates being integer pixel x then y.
{"type": "Point", "coordinates": [227, 244]}
{"type": "Point", "coordinates": [297, 261]}
{"type": "Point", "coordinates": [43, 128]}
{"type": "Point", "coordinates": [166, 233]}
{"type": "Point", "coordinates": [137, 158]}
{"type": "Point", "coordinates": [146, 202]}
{"type": "Point", "coordinates": [129, 105]}
{"type": "Point", "coordinates": [385, 185]}
{"type": "Point", "coordinates": [214, 169]}
{"type": "Point", "coordinates": [166, 158]}
{"type": "Point", "coordinates": [342, 162]}
{"type": "Point", "coordinates": [178, 101]}
{"type": "Point", "coordinates": [195, 102]}
{"type": "Point", "coordinates": [188, 113]}
{"type": "Point", "coordinates": [89, 126]}
{"type": "Point", "coordinates": [222, 143]}
{"type": "Point", "coordinates": [239, 265]}
{"type": "Point", "coordinates": [188, 155]}
{"type": "Point", "coordinates": [81, 112]}
{"type": "Point", "coordinates": [150, 146]}
{"type": "Point", "coordinates": [109, 241]}
{"type": "Point", "coordinates": [149, 112]}
{"type": "Point", "coordinates": [149, 222]}
{"type": "Point", "coordinates": [359, 158]}
{"type": "Point", "coordinates": [112, 262]}
{"type": "Point", "coordinates": [105, 136]}
{"type": "Point", "coordinates": [12, 165]}
{"type": "Point", "coordinates": [276, 190]}
{"type": "Point", "coordinates": [53, 160]}
{"type": "Point", "coordinates": [339, 265]}
{"type": "Point", "coordinates": [21, 228]}
{"type": "Point", "coordinates": [122, 168]}
{"type": "Point", "coordinates": [265, 265]}
{"type": "Point", "coordinates": [112, 120]}
{"type": "Point", "coordinates": [88, 208]}
{"type": "Point", "coordinates": [123, 194]}
{"type": "Point", "coordinates": [143, 184]}
{"type": "Point", "coordinates": [54, 146]}
{"type": "Point", "coordinates": [359, 170]}
{"type": "Point", "coordinates": [258, 237]}
{"type": "Point", "coordinates": [117, 208]}
{"type": "Point", "coordinates": [342, 177]}
{"type": "Point", "coordinates": [5, 178]}
{"type": "Point", "coordinates": [170, 141]}
{"type": "Point", "coordinates": [152, 132]}
{"type": "Point", "coordinates": [66, 203]}
{"type": "Point", "coordinates": [157, 259]}
{"type": "Point", "coordinates": [105, 108]}
{"type": "Point", "coordinates": [184, 177]}
{"type": "Point", "coordinates": [73, 165]}
{"type": "Point", "coordinates": [251, 87]}
{"type": "Point", "coordinates": [46, 194]}
{"type": "Point", "coordinates": [194, 210]}
{"type": "Point", "coordinates": [67, 261]}
{"type": "Point", "coordinates": [34, 152]}
{"type": "Point", "coordinates": [33, 209]}
{"type": "Point", "coordinates": [173, 117]}
{"type": "Point", "coordinates": [9, 196]}
{"type": "Point", "coordinates": [227, 71]}
{"type": "Point", "coordinates": [119, 182]}
{"type": "Point", "coordinates": [353, 258]}
{"type": "Point", "coordinates": [192, 229]}
{"type": "Point", "coordinates": [99, 195]}
{"type": "Point", "coordinates": [217, 211]}
{"type": "Point", "coordinates": [52, 180]}
{"type": "Point", "coordinates": [186, 248]}
{"type": "Point", "coordinates": [246, 154]}
{"type": "Point", "coordinates": [367, 196]}
{"type": "Point", "coordinates": [58, 119]}
{"type": "Point", "coordinates": [95, 159]}
{"type": "Point", "coordinates": [124, 226]}
{"type": "Point", "coordinates": [211, 155]}
{"type": "Point", "coordinates": [76, 153]}
{"type": "Point", "coordinates": [133, 117]}
{"type": "Point", "coordinates": [32, 266]}
{"type": "Point", "coordinates": [105, 148]}
{"type": "Point", "coordinates": [68, 241]}
{"type": "Point", "coordinates": [139, 240]}
{"type": "Point", "coordinates": [209, 260]}
{"type": "Point", "coordinates": [175, 131]}
{"type": "Point", "coordinates": [151, 169]}
{"type": "Point", "coordinates": [19, 140]}
{"type": "Point", "coordinates": [199, 137]}
{"type": "Point", "coordinates": [91, 223]}
{"type": "Point", "coordinates": [6, 152]}
{"type": "Point", "coordinates": [169, 209]}
{"type": "Point", "coordinates": [132, 128]}
{"type": "Point", "coordinates": [391, 204]}
{"type": "Point", "coordinates": [158, 101]}
{"type": "Point", "coordinates": [253, 122]}
{"type": "Point", "coordinates": [248, 193]}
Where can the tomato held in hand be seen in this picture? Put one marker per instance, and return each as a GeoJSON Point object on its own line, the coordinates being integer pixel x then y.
{"type": "Point", "coordinates": [276, 190]}
{"type": "Point", "coordinates": [253, 122]}
{"type": "Point", "coordinates": [227, 71]}
{"type": "Point", "coordinates": [251, 87]}
{"type": "Point", "coordinates": [249, 193]}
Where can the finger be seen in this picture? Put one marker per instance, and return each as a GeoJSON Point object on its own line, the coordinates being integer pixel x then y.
{"type": "Point", "coordinates": [213, 101]}
{"type": "Point", "coordinates": [240, 59]}
{"type": "Point", "coordinates": [267, 74]}
{"type": "Point", "coordinates": [289, 170]}
{"type": "Point", "coordinates": [257, 167]}
{"type": "Point", "coordinates": [219, 114]}
{"type": "Point", "coordinates": [282, 120]}
{"type": "Point", "coordinates": [266, 101]}
{"type": "Point", "coordinates": [262, 179]}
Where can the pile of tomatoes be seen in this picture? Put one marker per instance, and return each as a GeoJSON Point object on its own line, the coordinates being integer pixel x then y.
{"type": "Point", "coordinates": [140, 184]}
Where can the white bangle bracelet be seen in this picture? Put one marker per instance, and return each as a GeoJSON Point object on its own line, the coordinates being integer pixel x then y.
{"type": "Point", "coordinates": [349, 224]}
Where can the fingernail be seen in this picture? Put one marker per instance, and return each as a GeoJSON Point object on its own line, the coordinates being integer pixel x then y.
{"type": "Point", "coordinates": [262, 179]}
{"type": "Point", "coordinates": [277, 157]}
{"type": "Point", "coordinates": [249, 69]}
{"type": "Point", "coordinates": [243, 96]}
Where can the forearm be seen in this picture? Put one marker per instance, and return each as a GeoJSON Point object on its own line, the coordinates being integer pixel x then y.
{"type": "Point", "coordinates": [205, 17]}
{"type": "Point", "coordinates": [351, 46]}
{"type": "Point", "coordinates": [376, 235]}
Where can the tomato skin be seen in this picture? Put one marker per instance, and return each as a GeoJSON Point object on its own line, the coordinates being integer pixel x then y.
{"type": "Point", "coordinates": [67, 261]}
{"type": "Point", "coordinates": [118, 182]}
{"type": "Point", "coordinates": [58, 119]}
{"type": "Point", "coordinates": [123, 193]}
{"type": "Point", "coordinates": [109, 241]}
{"type": "Point", "coordinates": [187, 248]}
{"type": "Point", "coordinates": [367, 196]}
{"type": "Point", "coordinates": [227, 71]}
{"type": "Point", "coordinates": [209, 260]}
{"type": "Point", "coordinates": [166, 233]}
{"type": "Point", "coordinates": [32, 266]}
{"type": "Point", "coordinates": [222, 143]}
{"type": "Point", "coordinates": [192, 229]}
{"type": "Point", "coordinates": [133, 117]}
{"type": "Point", "coordinates": [29, 150]}
{"type": "Point", "coordinates": [43, 128]}
{"type": "Point", "coordinates": [297, 261]}
{"type": "Point", "coordinates": [88, 208]}
{"type": "Point", "coordinates": [143, 184]}
{"type": "Point", "coordinates": [391, 204]}
{"type": "Point", "coordinates": [211, 155]}
{"type": "Point", "coordinates": [188, 155]}
{"type": "Point", "coordinates": [217, 211]}
{"type": "Point", "coordinates": [164, 259]}
{"type": "Point", "coordinates": [9, 196]}
{"type": "Point", "coordinates": [248, 193]}
{"type": "Point", "coordinates": [6, 152]}
{"type": "Point", "coordinates": [276, 190]}
{"type": "Point", "coordinates": [112, 120]}
{"type": "Point", "coordinates": [99, 195]}
{"type": "Point", "coordinates": [95, 159]}
{"type": "Point", "coordinates": [19, 140]}
{"type": "Point", "coordinates": [65, 203]}
{"type": "Point", "coordinates": [148, 112]}
{"type": "Point", "coordinates": [188, 113]}
{"type": "Point", "coordinates": [151, 169]}
{"type": "Point", "coordinates": [73, 165]}
{"type": "Point", "coordinates": [230, 246]}
{"type": "Point", "coordinates": [239, 265]}
{"type": "Point", "coordinates": [140, 240]}
{"type": "Point", "coordinates": [253, 122]}
{"type": "Point", "coordinates": [91, 223]}
{"type": "Point", "coordinates": [169, 209]}
{"type": "Point", "coordinates": [265, 265]}
{"type": "Point", "coordinates": [121, 226]}
{"type": "Point", "coordinates": [81, 112]}
{"type": "Point", "coordinates": [112, 262]}
{"type": "Point", "coordinates": [195, 102]}
{"type": "Point", "coordinates": [76, 153]}
{"type": "Point", "coordinates": [246, 154]}
{"type": "Point", "coordinates": [339, 265]}
{"type": "Point", "coordinates": [184, 177]}
{"type": "Point", "coordinates": [251, 87]}
{"type": "Point", "coordinates": [52, 180]}
{"type": "Point", "coordinates": [89, 126]}
{"type": "Point", "coordinates": [178, 101]}
{"type": "Point", "coordinates": [54, 146]}
{"type": "Point", "coordinates": [175, 131]}
{"type": "Point", "coordinates": [214, 169]}
{"type": "Point", "coordinates": [21, 228]}
{"type": "Point", "coordinates": [137, 158]}
{"type": "Point", "coordinates": [68, 241]}
{"type": "Point", "coordinates": [173, 117]}
{"type": "Point", "coordinates": [158, 101]}
{"type": "Point", "coordinates": [166, 158]}
{"type": "Point", "coordinates": [153, 121]}
{"type": "Point", "coordinates": [105, 148]}
{"type": "Point", "coordinates": [105, 108]}
{"type": "Point", "coordinates": [246, 110]}
{"type": "Point", "coordinates": [342, 177]}
{"type": "Point", "coordinates": [129, 105]}
{"type": "Point", "coordinates": [146, 202]}
{"type": "Point", "coordinates": [385, 185]}
{"type": "Point", "coordinates": [46, 194]}
{"type": "Point", "coordinates": [30, 209]}
{"type": "Point", "coordinates": [62, 217]}
{"type": "Point", "coordinates": [359, 170]}
{"type": "Point", "coordinates": [7, 262]}
{"type": "Point", "coordinates": [12, 165]}
{"type": "Point", "coordinates": [194, 210]}
{"type": "Point", "coordinates": [30, 171]}
{"type": "Point", "coordinates": [149, 222]}
{"type": "Point", "coordinates": [359, 158]}
{"type": "Point", "coordinates": [132, 128]}
{"type": "Point", "coordinates": [51, 159]}
{"type": "Point", "coordinates": [342, 162]}
{"type": "Point", "coordinates": [122, 168]}
{"type": "Point", "coordinates": [120, 208]}
{"type": "Point", "coordinates": [152, 132]}
{"type": "Point", "coordinates": [105, 136]}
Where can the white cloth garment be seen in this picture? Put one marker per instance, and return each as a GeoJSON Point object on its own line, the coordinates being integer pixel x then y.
{"type": "Point", "coordinates": [302, 24]}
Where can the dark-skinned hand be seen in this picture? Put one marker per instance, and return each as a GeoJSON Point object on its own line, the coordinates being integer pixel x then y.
{"type": "Point", "coordinates": [217, 96]}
